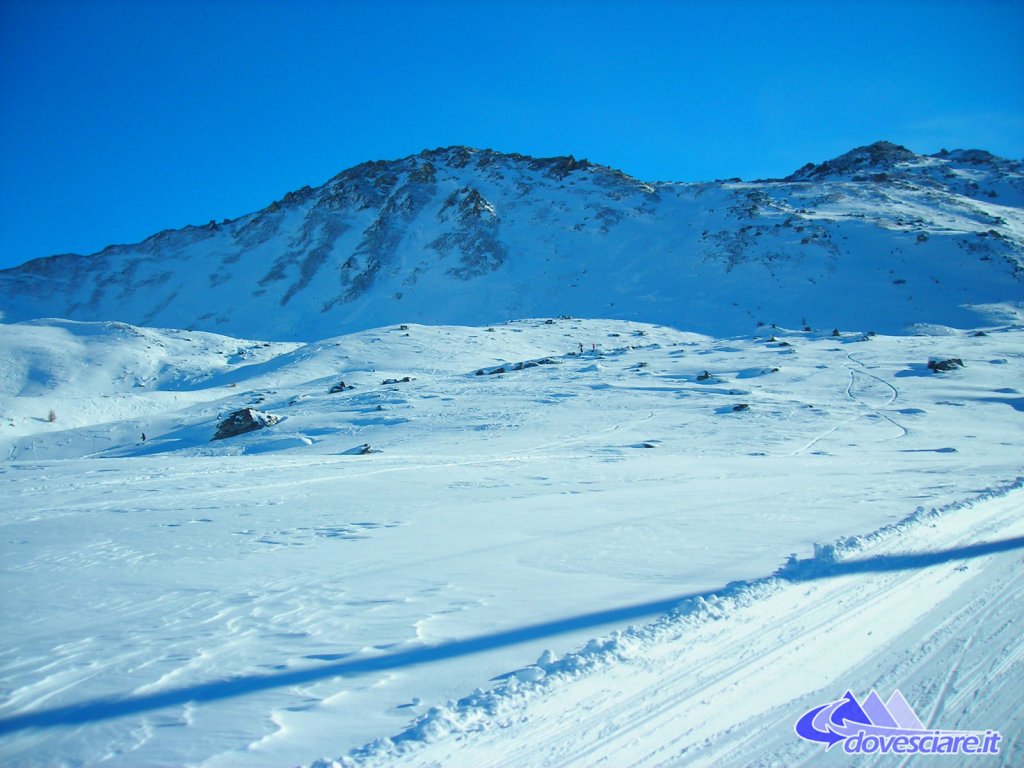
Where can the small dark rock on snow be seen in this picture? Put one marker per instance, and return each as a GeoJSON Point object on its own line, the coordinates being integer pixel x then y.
{"type": "Point", "coordinates": [360, 450]}
{"type": "Point", "coordinates": [938, 365]}
{"type": "Point", "coordinates": [520, 366]}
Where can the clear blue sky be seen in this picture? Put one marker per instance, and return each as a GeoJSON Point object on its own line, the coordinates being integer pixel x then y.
{"type": "Point", "coordinates": [120, 119]}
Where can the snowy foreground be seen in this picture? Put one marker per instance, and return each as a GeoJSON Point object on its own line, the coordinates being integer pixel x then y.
{"type": "Point", "coordinates": [603, 559]}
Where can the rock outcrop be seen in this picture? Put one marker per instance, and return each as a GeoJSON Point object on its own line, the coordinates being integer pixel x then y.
{"type": "Point", "coordinates": [242, 421]}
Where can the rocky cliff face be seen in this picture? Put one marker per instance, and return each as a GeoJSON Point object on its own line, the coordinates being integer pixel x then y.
{"type": "Point", "coordinates": [879, 237]}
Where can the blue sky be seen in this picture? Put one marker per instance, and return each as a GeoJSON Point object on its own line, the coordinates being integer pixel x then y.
{"type": "Point", "coordinates": [120, 119]}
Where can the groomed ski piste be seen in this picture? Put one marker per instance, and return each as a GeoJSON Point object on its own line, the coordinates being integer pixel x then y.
{"type": "Point", "coordinates": [545, 542]}
{"type": "Point", "coordinates": [930, 605]}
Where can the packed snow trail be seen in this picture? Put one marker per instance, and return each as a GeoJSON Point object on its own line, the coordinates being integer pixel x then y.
{"type": "Point", "coordinates": [931, 606]}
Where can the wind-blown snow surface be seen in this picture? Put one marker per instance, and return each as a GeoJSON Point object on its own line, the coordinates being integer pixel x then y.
{"type": "Point", "coordinates": [272, 598]}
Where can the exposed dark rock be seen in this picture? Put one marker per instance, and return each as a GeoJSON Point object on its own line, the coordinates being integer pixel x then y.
{"type": "Point", "coordinates": [244, 420]}
{"type": "Point", "coordinates": [298, 196]}
{"type": "Point", "coordinates": [880, 156]}
{"type": "Point", "coordinates": [972, 156]}
{"type": "Point", "coordinates": [938, 365]}
{"type": "Point", "coordinates": [475, 240]}
{"type": "Point", "coordinates": [559, 167]}
{"type": "Point", "coordinates": [403, 380]}
{"type": "Point", "coordinates": [517, 366]}
{"type": "Point", "coordinates": [360, 450]}
{"type": "Point", "coordinates": [341, 386]}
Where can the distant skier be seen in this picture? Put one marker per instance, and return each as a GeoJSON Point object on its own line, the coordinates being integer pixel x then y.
{"type": "Point", "coordinates": [581, 347]}
{"type": "Point", "coordinates": [143, 437]}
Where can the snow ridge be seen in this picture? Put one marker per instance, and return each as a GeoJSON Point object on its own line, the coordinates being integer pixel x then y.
{"type": "Point", "coordinates": [501, 705]}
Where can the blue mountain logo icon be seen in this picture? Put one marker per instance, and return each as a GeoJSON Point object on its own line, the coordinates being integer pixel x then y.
{"type": "Point", "coordinates": [890, 727]}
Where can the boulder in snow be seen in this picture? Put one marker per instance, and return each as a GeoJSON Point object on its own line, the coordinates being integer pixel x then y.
{"type": "Point", "coordinates": [244, 420]}
{"type": "Point", "coordinates": [938, 365]}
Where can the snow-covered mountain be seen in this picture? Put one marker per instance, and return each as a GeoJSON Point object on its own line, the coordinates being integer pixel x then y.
{"type": "Point", "coordinates": [875, 239]}
{"type": "Point", "coordinates": [632, 529]}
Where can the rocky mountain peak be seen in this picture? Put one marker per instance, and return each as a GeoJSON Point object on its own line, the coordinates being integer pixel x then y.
{"type": "Point", "coordinates": [880, 157]}
{"type": "Point", "coordinates": [473, 236]}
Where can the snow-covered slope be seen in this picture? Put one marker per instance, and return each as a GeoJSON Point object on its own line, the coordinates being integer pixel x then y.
{"type": "Point", "coordinates": [282, 595]}
{"type": "Point", "coordinates": [87, 374]}
{"type": "Point", "coordinates": [878, 238]}
{"type": "Point", "coordinates": [930, 607]}
{"type": "Point", "coordinates": [433, 550]}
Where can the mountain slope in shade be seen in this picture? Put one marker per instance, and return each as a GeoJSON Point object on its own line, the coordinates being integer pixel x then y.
{"type": "Point", "coordinates": [875, 239]}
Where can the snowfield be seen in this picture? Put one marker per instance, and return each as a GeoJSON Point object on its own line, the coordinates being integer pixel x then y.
{"type": "Point", "coordinates": [717, 681]}
{"type": "Point", "coordinates": [546, 542]}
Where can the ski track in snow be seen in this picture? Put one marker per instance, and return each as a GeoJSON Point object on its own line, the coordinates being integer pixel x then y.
{"type": "Point", "coordinates": [892, 396]}
{"type": "Point", "coordinates": [724, 682]}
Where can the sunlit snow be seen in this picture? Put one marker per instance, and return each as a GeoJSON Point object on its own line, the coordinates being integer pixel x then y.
{"type": "Point", "coordinates": [284, 595]}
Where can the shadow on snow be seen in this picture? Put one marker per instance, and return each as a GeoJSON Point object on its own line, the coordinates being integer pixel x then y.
{"type": "Point", "coordinates": [795, 571]}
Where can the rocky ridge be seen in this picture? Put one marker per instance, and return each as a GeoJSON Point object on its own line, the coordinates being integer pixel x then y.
{"type": "Point", "coordinates": [879, 237]}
